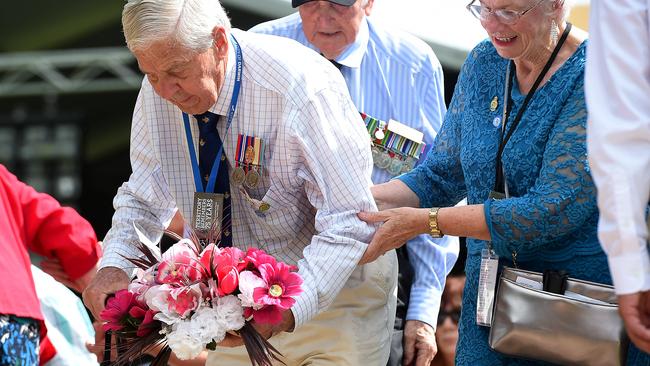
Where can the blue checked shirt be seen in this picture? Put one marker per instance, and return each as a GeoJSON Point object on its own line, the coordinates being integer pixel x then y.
{"type": "Point", "coordinates": [316, 175]}
{"type": "Point", "coordinates": [393, 75]}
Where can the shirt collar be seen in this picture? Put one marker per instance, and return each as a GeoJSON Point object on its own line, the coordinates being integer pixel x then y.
{"type": "Point", "coordinates": [353, 55]}
{"type": "Point", "coordinates": [225, 94]}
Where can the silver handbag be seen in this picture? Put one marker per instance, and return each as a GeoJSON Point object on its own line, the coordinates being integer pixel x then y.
{"type": "Point", "coordinates": [582, 327]}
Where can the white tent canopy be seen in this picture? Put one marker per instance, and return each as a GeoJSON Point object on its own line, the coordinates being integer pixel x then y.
{"type": "Point", "coordinates": [444, 24]}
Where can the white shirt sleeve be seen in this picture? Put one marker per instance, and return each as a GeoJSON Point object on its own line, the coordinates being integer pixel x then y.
{"type": "Point", "coordinates": [618, 97]}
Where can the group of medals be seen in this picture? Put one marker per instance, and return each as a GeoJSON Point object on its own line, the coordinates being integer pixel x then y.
{"type": "Point", "coordinates": [395, 146]}
{"type": "Point", "coordinates": [248, 161]}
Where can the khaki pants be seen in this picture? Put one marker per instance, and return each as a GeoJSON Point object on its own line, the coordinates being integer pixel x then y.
{"type": "Point", "coordinates": [355, 330]}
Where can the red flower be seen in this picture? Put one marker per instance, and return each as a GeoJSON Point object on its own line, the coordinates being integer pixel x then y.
{"type": "Point", "coordinates": [117, 309]}
{"type": "Point", "coordinates": [222, 264]}
{"type": "Point", "coordinates": [282, 286]}
{"type": "Point", "coordinates": [144, 315]}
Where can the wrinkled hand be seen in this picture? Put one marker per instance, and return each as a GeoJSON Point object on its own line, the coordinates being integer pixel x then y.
{"type": "Point", "coordinates": [398, 226]}
{"type": "Point", "coordinates": [107, 281]}
{"type": "Point", "coordinates": [266, 330]}
{"type": "Point", "coordinates": [635, 310]}
{"type": "Point", "coordinates": [419, 343]}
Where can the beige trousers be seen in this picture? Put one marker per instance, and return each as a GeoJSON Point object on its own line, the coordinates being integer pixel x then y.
{"type": "Point", "coordinates": [354, 331]}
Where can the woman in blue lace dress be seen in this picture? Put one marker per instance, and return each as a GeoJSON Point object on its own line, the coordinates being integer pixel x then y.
{"type": "Point", "coordinates": [549, 219]}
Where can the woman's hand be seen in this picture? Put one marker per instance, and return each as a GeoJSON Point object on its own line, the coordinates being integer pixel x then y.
{"type": "Point", "coordinates": [398, 225]}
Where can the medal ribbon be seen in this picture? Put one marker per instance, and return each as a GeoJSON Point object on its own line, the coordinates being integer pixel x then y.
{"type": "Point", "coordinates": [231, 113]}
{"type": "Point", "coordinates": [392, 141]}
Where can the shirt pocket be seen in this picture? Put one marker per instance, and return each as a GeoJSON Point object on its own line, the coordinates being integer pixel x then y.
{"type": "Point", "coordinates": [276, 214]}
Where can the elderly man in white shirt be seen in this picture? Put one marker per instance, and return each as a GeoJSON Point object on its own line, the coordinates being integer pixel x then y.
{"type": "Point", "coordinates": [618, 137]}
{"type": "Point", "coordinates": [314, 175]}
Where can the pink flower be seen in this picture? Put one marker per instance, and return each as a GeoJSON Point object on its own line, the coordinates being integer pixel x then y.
{"type": "Point", "coordinates": [183, 300]}
{"type": "Point", "coordinates": [179, 265]}
{"type": "Point", "coordinates": [281, 286]}
{"type": "Point", "coordinates": [124, 310]}
{"type": "Point", "coordinates": [254, 258]}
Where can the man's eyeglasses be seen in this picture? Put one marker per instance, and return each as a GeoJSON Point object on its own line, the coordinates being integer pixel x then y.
{"type": "Point", "coordinates": [504, 16]}
{"type": "Point", "coordinates": [454, 315]}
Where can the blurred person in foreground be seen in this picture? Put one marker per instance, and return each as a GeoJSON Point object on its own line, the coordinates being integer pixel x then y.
{"type": "Point", "coordinates": [33, 221]}
{"type": "Point", "coordinates": [531, 199]}
{"type": "Point", "coordinates": [68, 326]}
{"type": "Point", "coordinates": [618, 137]}
{"type": "Point", "coordinates": [313, 176]}
{"type": "Point", "coordinates": [391, 75]}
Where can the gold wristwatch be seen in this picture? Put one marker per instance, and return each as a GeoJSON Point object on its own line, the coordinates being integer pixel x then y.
{"type": "Point", "coordinates": [434, 230]}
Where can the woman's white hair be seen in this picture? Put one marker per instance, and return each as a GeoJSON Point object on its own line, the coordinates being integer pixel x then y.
{"type": "Point", "coordinates": [565, 8]}
{"type": "Point", "coordinates": [189, 23]}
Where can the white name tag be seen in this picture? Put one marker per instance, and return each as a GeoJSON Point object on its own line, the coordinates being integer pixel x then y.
{"type": "Point", "coordinates": [486, 288]}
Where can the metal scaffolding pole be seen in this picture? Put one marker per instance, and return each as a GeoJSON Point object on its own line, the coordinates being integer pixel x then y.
{"type": "Point", "coordinates": [70, 71]}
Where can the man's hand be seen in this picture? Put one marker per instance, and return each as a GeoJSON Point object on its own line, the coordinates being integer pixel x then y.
{"type": "Point", "coordinates": [107, 281]}
{"type": "Point", "coordinates": [398, 226]}
{"type": "Point", "coordinates": [635, 310]}
{"type": "Point", "coordinates": [266, 330]}
{"type": "Point", "coordinates": [419, 343]}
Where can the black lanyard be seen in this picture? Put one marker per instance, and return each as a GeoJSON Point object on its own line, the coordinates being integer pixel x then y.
{"type": "Point", "coordinates": [499, 182]}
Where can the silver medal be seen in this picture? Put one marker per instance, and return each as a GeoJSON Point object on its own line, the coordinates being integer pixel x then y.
{"type": "Point", "coordinates": [395, 166]}
{"type": "Point", "coordinates": [252, 179]}
{"type": "Point", "coordinates": [238, 175]}
{"type": "Point", "coordinates": [384, 160]}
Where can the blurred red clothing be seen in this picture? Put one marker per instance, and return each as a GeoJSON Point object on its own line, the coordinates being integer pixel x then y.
{"type": "Point", "coordinates": [35, 221]}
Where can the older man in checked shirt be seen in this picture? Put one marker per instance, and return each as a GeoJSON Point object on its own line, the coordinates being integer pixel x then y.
{"type": "Point", "coordinates": [390, 75]}
{"type": "Point", "coordinates": [315, 176]}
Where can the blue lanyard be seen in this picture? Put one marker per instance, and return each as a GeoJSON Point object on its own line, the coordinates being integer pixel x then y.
{"type": "Point", "coordinates": [231, 113]}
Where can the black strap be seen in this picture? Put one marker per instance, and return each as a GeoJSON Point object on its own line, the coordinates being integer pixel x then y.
{"type": "Point", "coordinates": [499, 182]}
{"type": "Point", "coordinates": [107, 348]}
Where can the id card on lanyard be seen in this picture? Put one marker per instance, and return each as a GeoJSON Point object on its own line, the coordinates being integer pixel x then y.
{"type": "Point", "coordinates": [207, 208]}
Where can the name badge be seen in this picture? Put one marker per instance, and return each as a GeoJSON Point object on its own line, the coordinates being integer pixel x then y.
{"type": "Point", "coordinates": [207, 214]}
{"type": "Point", "coordinates": [486, 287]}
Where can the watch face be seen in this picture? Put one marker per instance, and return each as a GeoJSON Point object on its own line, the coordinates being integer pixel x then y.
{"type": "Point", "coordinates": [434, 230]}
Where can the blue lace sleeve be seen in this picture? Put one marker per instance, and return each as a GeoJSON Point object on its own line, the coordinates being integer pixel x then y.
{"type": "Point", "coordinates": [561, 199]}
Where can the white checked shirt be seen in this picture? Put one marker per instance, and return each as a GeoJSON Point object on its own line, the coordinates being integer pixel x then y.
{"type": "Point", "coordinates": [316, 175]}
{"type": "Point", "coordinates": [393, 75]}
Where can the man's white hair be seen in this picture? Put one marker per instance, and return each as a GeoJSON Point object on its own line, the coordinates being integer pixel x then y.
{"type": "Point", "coordinates": [189, 23]}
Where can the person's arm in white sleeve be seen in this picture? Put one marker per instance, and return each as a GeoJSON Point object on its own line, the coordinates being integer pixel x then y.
{"type": "Point", "coordinates": [618, 88]}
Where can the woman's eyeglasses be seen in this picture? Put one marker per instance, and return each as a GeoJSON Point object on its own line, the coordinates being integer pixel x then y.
{"type": "Point", "coordinates": [454, 315]}
{"type": "Point", "coordinates": [504, 16]}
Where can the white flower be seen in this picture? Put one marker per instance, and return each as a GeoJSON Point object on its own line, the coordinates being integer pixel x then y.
{"type": "Point", "coordinates": [183, 342]}
{"type": "Point", "coordinates": [248, 281]}
{"type": "Point", "coordinates": [206, 325]}
{"type": "Point", "coordinates": [229, 312]}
